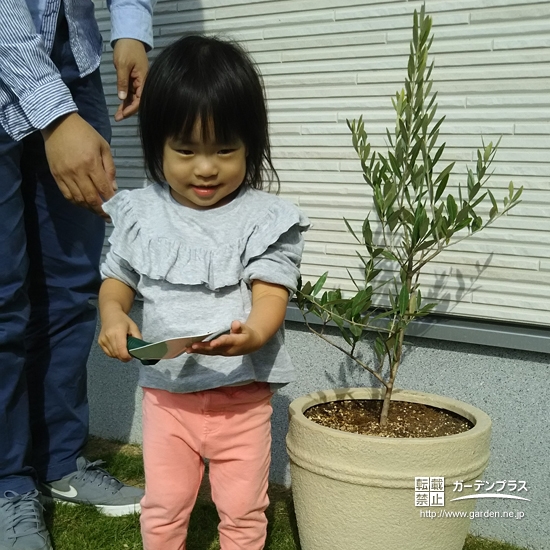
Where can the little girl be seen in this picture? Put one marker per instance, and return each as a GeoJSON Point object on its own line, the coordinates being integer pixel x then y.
{"type": "Point", "coordinates": [205, 248]}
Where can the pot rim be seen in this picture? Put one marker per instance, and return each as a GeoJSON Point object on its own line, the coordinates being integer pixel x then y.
{"type": "Point", "coordinates": [479, 418]}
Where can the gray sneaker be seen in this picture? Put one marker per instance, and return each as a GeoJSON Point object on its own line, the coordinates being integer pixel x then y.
{"type": "Point", "coordinates": [91, 484]}
{"type": "Point", "coordinates": [22, 524]}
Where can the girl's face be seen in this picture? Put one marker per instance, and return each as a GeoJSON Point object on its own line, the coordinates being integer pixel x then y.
{"type": "Point", "coordinates": [203, 174]}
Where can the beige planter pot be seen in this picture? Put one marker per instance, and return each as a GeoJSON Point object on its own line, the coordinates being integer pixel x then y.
{"type": "Point", "coordinates": [357, 492]}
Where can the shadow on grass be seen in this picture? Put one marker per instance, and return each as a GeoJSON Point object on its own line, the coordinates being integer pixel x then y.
{"type": "Point", "coordinates": [282, 533]}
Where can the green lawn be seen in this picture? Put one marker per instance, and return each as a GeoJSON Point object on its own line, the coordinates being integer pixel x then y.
{"type": "Point", "coordinates": [83, 528]}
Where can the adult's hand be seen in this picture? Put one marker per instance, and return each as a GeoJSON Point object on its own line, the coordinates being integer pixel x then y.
{"type": "Point", "coordinates": [80, 161]}
{"type": "Point", "coordinates": [131, 65]}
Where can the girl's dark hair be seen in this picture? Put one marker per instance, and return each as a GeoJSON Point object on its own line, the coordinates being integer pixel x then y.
{"type": "Point", "coordinates": [214, 81]}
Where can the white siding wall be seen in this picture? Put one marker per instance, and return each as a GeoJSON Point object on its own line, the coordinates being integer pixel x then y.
{"type": "Point", "coordinates": [327, 60]}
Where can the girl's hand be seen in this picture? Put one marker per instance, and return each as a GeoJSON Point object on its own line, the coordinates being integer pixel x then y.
{"type": "Point", "coordinates": [269, 303]}
{"type": "Point", "coordinates": [241, 340]}
{"type": "Point", "coordinates": [116, 326]}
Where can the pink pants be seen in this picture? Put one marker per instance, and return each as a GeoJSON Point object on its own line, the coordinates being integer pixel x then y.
{"type": "Point", "coordinates": [231, 427]}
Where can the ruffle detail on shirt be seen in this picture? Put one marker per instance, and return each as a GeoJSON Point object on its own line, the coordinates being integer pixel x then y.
{"type": "Point", "coordinates": [278, 219]}
{"type": "Point", "coordinates": [172, 260]}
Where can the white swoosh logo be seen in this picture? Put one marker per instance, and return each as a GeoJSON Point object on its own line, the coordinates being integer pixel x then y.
{"type": "Point", "coordinates": [490, 495]}
{"type": "Point", "coordinates": [71, 493]}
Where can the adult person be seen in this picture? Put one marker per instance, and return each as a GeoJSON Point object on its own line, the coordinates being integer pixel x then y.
{"type": "Point", "coordinates": [54, 160]}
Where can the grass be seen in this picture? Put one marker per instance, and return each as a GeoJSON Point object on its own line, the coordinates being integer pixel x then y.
{"type": "Point", "coordinates": [83, 528]}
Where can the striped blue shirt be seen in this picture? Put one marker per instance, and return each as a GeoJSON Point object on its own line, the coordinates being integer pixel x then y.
{"type": "Point", "coordinates": [32, 94]}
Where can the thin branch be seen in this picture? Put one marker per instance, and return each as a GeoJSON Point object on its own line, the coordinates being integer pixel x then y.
{"type": "Point", "coordinates": [345, 352]}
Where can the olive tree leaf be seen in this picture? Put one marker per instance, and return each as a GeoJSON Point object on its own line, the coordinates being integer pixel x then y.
{"type": "Point", "coordinates": [403, 300]}
{"type": "Point", "coordinates": [319, 284]}
{"type": "Point", "coordinates": [350, 229]}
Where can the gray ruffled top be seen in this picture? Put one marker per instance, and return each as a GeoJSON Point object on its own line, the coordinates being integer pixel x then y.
{"type": "Point", "coordinates": [193, 269]}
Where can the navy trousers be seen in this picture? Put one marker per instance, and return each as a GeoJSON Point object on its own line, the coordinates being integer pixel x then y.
{"type": "Point", "coordinates": [49, 258]}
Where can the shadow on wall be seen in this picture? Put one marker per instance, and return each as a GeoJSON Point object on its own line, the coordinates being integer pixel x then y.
{"type": "Point", "coordinates": [279, 426]}
{"type": "Point", "coordinates": [112, 393]}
